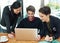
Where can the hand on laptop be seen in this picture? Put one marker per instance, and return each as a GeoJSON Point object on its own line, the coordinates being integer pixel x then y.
{"type": "Point", "coordinates": [38, 38]}
{"type": "Point", "coordinates": [11, 35]}
{"type": "Point", "coordinates": [51, 38]}
{"type": "Point", "coordinates": [47, 38]}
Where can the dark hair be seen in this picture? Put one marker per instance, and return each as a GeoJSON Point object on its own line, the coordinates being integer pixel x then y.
{"type": "Point", "coordinates": [16, 5]}
{"type": "Point", "coordinates": [45, 10]}
{"type": "Point", "coordinates": [30, 8]}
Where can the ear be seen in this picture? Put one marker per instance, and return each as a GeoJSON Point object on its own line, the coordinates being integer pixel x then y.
{"type": "Point", "coordinates": [21, 7]}
{"type": "Point", "coordinates": [48, 15]}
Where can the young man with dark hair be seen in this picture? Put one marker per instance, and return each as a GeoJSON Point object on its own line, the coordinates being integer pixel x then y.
{"type": "Point", "coordinates": [31, 21]}
{"type": "Point", "coordinates": [10, 16]}
{"type": "Point", "coordinates": [51, 24]}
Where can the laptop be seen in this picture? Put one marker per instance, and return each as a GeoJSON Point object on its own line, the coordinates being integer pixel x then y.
{"type": "Point", "coordinates": [26, 33]}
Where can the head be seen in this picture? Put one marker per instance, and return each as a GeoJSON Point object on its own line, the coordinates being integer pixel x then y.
{"type": "Point", "coordinates": [16, 7]}
{"type": "Point", "coordinates": [44, 13]}
{"type": "Point", "coordinates": [30, 11]}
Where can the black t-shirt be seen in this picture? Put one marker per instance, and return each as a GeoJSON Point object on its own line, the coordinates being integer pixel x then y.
{"type": "Point", "coordinates": [25, 23]}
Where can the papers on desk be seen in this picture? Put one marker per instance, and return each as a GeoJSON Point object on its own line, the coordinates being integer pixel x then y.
{"type": "Point", "coordinates": [3, 38]}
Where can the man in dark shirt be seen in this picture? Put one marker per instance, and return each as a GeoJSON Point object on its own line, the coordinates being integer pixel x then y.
{"type": "Point", "coordinates": [31, 21]}
{"type": "Point", "coordinates": [10, 16]}
{"type": "Point", "coordinates": [51, 24]}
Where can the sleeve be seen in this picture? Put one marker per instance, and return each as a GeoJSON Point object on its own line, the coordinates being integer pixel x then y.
{"type": "Point", "coordinates": [40, 28]}
{"type": "Point", "coordinates": [5, 19]}
{"type": "Point", "coordinates": [57, 25]}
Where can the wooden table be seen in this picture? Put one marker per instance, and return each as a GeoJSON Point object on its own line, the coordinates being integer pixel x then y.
{"type": "Point", "coordinates": [13, 40]}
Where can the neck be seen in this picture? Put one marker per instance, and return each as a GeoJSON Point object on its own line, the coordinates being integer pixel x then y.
{"type": "Point", "coordinates": [31, 19]}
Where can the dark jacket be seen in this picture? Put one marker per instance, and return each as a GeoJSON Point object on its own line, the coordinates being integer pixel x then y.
{"type": "Point", "coordinates": [9, 19]}
{"type": "Point", "coordinates": [54, 25]}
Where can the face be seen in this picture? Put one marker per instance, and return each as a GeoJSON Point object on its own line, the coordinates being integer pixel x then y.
{"type": "Point", "coordinates": [43, 17]}
{"type": "Point", "coordinates": [30, 14]}
{"type": "Point", "coordinates": [17, 11]}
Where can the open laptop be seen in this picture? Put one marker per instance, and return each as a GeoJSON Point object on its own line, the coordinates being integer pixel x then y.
{"type": "Point", "coordinates": [26, 33]}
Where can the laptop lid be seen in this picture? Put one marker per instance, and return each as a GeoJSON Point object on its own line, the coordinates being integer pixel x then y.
{"type": "Point", "coordinates": [26, 33]}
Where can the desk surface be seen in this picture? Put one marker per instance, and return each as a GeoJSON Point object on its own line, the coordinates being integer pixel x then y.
{"type": "Point", "coordinates": [13, 40]}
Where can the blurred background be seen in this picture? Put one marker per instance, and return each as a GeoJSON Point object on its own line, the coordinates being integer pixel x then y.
{"type": "Point", "coordinates": [53, 4]}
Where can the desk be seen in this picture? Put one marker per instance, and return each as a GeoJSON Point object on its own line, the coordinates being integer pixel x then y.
{"type": "Point", "coordinates": [13, 40]}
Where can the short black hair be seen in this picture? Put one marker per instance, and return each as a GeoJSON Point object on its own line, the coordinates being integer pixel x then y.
{"type": "Point", "coordinates": [30, 8]}
{"type": "Point", "coordinates": [16, 5]}
{"type": "Point", "coordinates": [45, 10]}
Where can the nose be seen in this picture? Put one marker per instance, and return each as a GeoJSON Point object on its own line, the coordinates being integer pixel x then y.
{"type": "Point", "coordinates": [18, 11]}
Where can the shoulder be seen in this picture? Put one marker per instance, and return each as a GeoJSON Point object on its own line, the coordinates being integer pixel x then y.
{"type": "Point", "coordinates": [24, 19]}
{"type": "Point", "coordinates": [37, 19]}
{"type": "Point", "coordinates": [54, 18]}
{"type": "Point", "coordinates": [6, 8]}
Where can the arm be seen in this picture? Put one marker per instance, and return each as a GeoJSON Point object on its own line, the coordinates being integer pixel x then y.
{"type": "Point", "coordinates": [57, 25]}
{"type": "Point", "coordinates": [40, 27]}
{"type": "Point", "coordinates": [5, 19]}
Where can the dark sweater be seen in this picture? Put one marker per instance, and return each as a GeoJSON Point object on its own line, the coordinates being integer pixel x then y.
{"type": "Point", "coordinates": [36, 23]}
{"type": "Point", "coordinates": [54, 26]}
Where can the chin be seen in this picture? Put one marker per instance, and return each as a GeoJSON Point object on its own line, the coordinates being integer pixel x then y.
{"type": "Point", "coordinates": [43, 21]}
